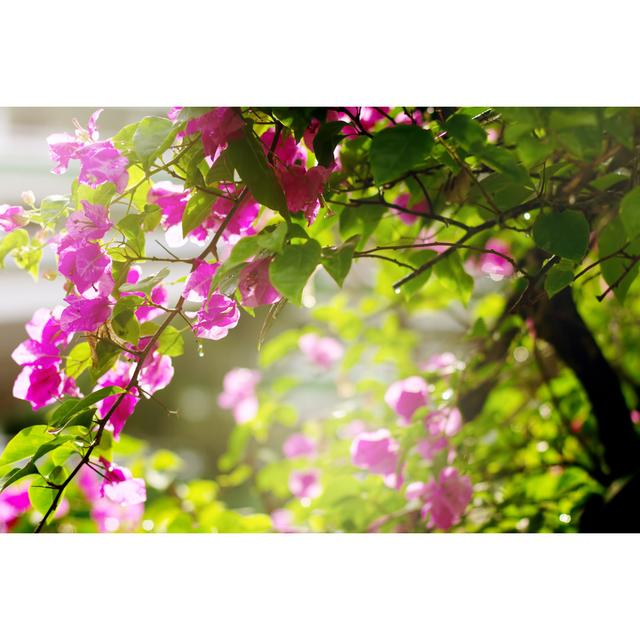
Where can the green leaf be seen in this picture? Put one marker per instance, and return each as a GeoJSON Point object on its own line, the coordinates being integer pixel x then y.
{"type": "Point", "coordinates": [503, 161]}
{"type": "Point", "coordinates": [41, 496]}
{"type": "Point", "coordinates": [146, 284]}
{"type": "Point", "coordinates": [558, 277]}
{"type": "Point", "coordinates": [452, 276]}
{"type": "Point", "coordinates": [248, 158]}
{"type": "Point", "coordinates": [13, 240]}
{"type": "Point", "coordinates": [290, 270]}
{"type": "Point", "coordinates": [397, 150]}
{"type": "Point", "coordinates": [611, 239]}
{"type": "Point", "coordinates": [123, 141]}
{"type": "Point", "coordinates": [630, 212]}
{"type": "Point", "coordinates": [24, 444]}
{"type": "Point", "coordinates": [71, 408]}
{"type": "Point", "coordinates": [328, 137]}
{"type": "Point", "coordinates": [78, 360]}
{"type": "Point", "coordinates": [563, 233]}
{"type": "Point", "coordinates": [171, 342]}
{"type": "Point", "coordinates": [362, 221]}
{"type": "Point", "coordinates": [221, 170]}
{"type": "Point", "coordinates": [152, 217]}
{"type": "Point", "coordinates": [466, 131]}
{"type": "Point", "coordinates": [153, 136]}
{"type": "Point", "coordinates": [123, 318]}
{"type": "Point", "coordinates": [337, 260]}
{"type": "Point", "coordinates": [131, 227]}
{"type": "Point", "coordinates": [272, 238]}
{"type": "Point", "coordinates": [197, 209]}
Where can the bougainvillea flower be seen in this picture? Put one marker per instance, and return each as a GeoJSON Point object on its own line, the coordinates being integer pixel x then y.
{"type": "Point", "coordinates": [108, 515]}
{"type": "Point", "coordinates": [63, 148]}
{"type": "Point", "coordinates": [159, 296]}
{"type": "Point", "coordinates": [305, 484]}
{"type": "Point", "coordinates": [91, 223]}
{"type": "Point", "coordinates": [14, 501]}
{"type": "Point", "coordinates": [238, 226]}
{"type": "Point", "coordinates": [287, 151]}
{"type": "Point", "coordinates": [298, 446]}
{"type": "Point", "coordinates": [199, 282]}
{"type": "Point", "coordinates": [84, 265]}
{"type": "Point", "coordinates": [282, 521]}
{"type": "Point", "coordinates": [444, 363]}
{"type": "Point", "coordinates": [85, 314]}
{"type": "Point", "coordinates": [405, 397]}
{"type": "Point", "coordinates": [120, 486]}
{"type": "Point", "coordinates": [216, 127]}
{"type": "Point", "coordinates": [375, 451]}
{"type": "Point", "coordinates": [428, 447]}
{"type": "Point", "coordinates": [495, 266]}
{"type": "Point", "coordinates": [445, 422]}
{"type": "Point", "coordinates": [446, 500]}
{"type": "Point", "coordinates": [409, 218]}
{"type": "Point", "coordinates": [101, 162]}
{"type": "Point", "coordinates": [156, 373]}
{"type": "Point", "coordinates": [40, 386]}
{"type": "Point", "coordinates": [217, 315]}
{"type": "Point", "coordinates": [255, 286]}
{"type": "Point", "coordinates": [11, 217]}
{"type": "Point", "coordinates": [171, 199]}
{"type": "Point", "coordinates": [323, 352]}
{"type": "Point", "coordinates": [239, 394]}
{"type": "Point", "coordinates": [303, 188]}
{"type": "Point", "coordinates": [119, 376]}
{"type": "Point", "coordinates": [45, 338]}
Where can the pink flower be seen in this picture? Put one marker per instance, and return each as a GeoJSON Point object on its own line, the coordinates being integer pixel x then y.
{"type": "Point", "coordinates": [39, 385]}
{"type": "Point", "coordinates": [303, 188]}
{"type": "Point", "coordinates": [171, 199]}
{"type": "Point", "coordinates": [282, 521]}
{"type": "Point", "coordinates": [45, 338]}
{"type": "Point", "coordinates": [159, 296]}
{"type": "Point", "coordinates": [409, 218]}
{"type": "Point", "coordinates": [403, 118]}
{"type": "Point", "coordinates": [11, 217]}
{"type": "Point", "coordinates": [376, 451]}
{"type": "Point", "coordinates": [430, 446]}
{"type": "Point", "coordinates": [405, 397]}
{"type": "Point", "coordinates": [63, 148]}
{"type": "Point", "coordinates": [119, 376]}
{"type": "Point", "coordinates": [444, 363]}
{"type": "Point", "coordinates": [495, 266]}
{"type": "Point", "coordinates": [287, 151]}
{"type": "Point", "coordinates": [635, 416]}
{"type": "Point", "coordinates": [83, 314]}
{"type": "Point", "coordinates": [89, 224]}
{"type": "Point", "coordinates": [156, 373]}
{"type": "Point", "coordinates": [446, 422]}
{"type": "Point", "coordinates": [108, 515]}
{"type": "Point", "coordinates": [299, 446]}
{"type": "Point", "coordinates": [216, 127]}
{"type": "Point", "coordinates": [14, 501]}
{"type": "Point", "coordinates": [239, 394]}
{"type": "Point", "coordinates": [321, 351]}
{"type": "Point", "coordinates": [240, 224]}
{"type": "Point", "coordinates": [305, 484]}
{"type": "Point", "coordinates": [217, 315]}
{"type": "Point", "coordinates": [120, 486]}
{"type": "Point", "coordinates": [255, 286]}
{"type": "Point", "coordinates": [446, 500]}
{"type": "Point", "coordinates": [101, 162]}
{"type": "Point", "coordinates": [199, 281]}
{"type": "Point", "coordinates": [84, 265]}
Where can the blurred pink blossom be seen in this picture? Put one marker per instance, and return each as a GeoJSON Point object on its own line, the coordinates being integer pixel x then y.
{"type": "Point", "coordinates": [406, 396]}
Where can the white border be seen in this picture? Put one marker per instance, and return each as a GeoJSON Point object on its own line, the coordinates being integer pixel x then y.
{"type": "Point", "coordinates": [320, 586]}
